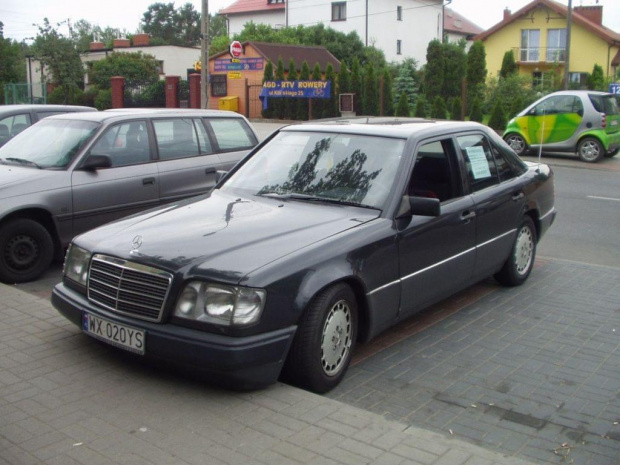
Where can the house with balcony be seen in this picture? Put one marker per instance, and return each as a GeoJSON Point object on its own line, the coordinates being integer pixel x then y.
{"type": "Point", "coordinates": [537, 34]}
{"type": "Point", "coordinates": [400, 28]}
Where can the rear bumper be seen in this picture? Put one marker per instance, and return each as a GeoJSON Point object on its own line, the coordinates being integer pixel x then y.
{"type": "Point", "coordinates": [239, 362]}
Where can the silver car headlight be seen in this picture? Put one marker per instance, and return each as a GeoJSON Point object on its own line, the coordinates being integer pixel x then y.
{"type": "Point", "coordinates": [220, 304]}
{"type": "Point", "coordinates": [76, 264]}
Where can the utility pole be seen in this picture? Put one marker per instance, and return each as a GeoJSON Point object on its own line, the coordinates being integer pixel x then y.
{"type": "Point", "coordinates": [568, 26]}
{"type": "Point", "coordinates": [204, 55]}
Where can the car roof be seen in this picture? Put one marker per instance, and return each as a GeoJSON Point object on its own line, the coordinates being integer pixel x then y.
{"type": "Point", "coordinates": [578, 92]}
{"type": "Point", "coordinates": [37, 107]}
{"type": "Point", "coordinates": [133, 113]}
{"type": "Point", "coordinates": [391, 127]}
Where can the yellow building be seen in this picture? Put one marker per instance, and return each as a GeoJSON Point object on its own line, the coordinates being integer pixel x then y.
{"type": "Point", "coordinates": [537, 36]}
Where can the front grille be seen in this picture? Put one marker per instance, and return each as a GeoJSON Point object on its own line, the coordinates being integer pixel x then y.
{"type": "Point", "coordinates": [128, 288]}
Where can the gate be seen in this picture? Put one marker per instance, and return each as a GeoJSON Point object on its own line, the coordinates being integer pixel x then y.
{"type": "Point", "coordinates": [255, 104]}
{"type": "Point", "coordinates": [145, 94]}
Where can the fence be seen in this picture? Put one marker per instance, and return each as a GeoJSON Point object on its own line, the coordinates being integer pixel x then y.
{"type": "Point", "coordinates": [145, 94]}
{"type": "Point", "coordinates": [25, 93]}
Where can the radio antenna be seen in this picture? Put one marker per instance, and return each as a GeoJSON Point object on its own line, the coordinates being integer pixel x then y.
{"type": "Point", "coordinates": [542, 137]}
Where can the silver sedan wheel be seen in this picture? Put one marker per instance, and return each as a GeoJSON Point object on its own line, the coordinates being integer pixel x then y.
{"type": "Point", "coordinates": [524, 250]}
{"type": "Point", "coordinates": [337, 338]}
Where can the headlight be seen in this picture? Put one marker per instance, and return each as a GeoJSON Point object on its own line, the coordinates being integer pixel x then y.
{"type": "Point", "coordinates": [219, 304]}
{"type": "Point", "coordinates": [76, 264]}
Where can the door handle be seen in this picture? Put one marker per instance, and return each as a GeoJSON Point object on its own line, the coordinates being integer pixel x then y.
{"type": "Point", "coordinates": [148, 181]}
{"type": "Point", "coordinates": [468, 215]}
{"type": "Point", "coordinates": [518, 196]}
{"type": "Point", "coordinates": [210, 170]}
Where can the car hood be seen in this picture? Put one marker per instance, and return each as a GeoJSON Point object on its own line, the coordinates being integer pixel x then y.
{"type": "Point", "coordinates": [223, 237]}
{"type": "Point", "coordinates": [18, 180]}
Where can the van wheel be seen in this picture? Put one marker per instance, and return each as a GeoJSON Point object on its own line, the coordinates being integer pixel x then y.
{"type": "Point", "coordinates": [590, 150]}
{"type": "Point", "coordinates": [519, 264]}
{"type": "Point", "coordinates": [517, 143]}
{"type": "Point", "coordinates": [26, 251]}
{"type": "Point", "coordinates": [323, 346]}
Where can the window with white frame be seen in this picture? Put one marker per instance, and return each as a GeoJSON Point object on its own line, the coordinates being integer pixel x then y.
{"type": "Point", "coordinates": [530, 45]}
{"type": "Point", "coordinates": [399, 13]}
{"type": "Point", "coordinates": [339, 11]}
{"type": "Point", "coordinates": [399, 47]}
{"type": "Point", "coordinates": [556, 45]}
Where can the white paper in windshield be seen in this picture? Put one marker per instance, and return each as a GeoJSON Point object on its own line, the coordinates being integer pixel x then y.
{"type": "Point", "coordinates": [479, 163]}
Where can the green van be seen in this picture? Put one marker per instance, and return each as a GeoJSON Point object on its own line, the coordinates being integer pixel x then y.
{"type": "Point", "coordinates": [585, 122]}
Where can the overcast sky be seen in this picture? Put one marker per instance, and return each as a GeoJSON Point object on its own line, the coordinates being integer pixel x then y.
{"type": "Point", "coordinates": [19, 16]}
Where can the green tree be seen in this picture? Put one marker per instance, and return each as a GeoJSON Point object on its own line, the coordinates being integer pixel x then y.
{"type": "Point", "coordinates": [434, 70]}
{"type": "Point", "coordinates": [420, 107]}
{"type": "Point", "coordinates": [135, 66]}
{"type": "Point", "coordinates": [456, 109]}
{"type": "Point", "coordinates": [371, 92]}
{"type": "Point", "coordinates": [12, 68]}
{"type": "Point", "coordinates": [330, 109]}
{"type": "Point", "coordinates": [302, 104]}
{"type": "Point", "coordinates": [509, 65]}
{"type": "Point", "coordinates": [476, 73]}
{"type": "Point", "coordinates": [279, 104]}
{"type": "Point", "coordinates": [317, 103]}
{"type": "Point", "coordinates": [405, 80]}
{"type": "Point", "coordinates": [596, 80]}
{"type": "Point", "coordinates": [268, 76]}
{"type": "Point", "coordinates": [476, 111]}
{"type": "Point", "coordinates": [498, 117]}
{"type": "Point", "coordinates": [388, 99]}
{"type": "Point", "coordinates": [455, 68]}
{"type": "Point", "coordinates": [357, 87]}
{"type": "Point", "coordinates": [516, 107]}
{"type": "Point", "coordinates": [172, 26]}
{"type": "Point", "coordinates": [344, 79]}
{"type": "Point", "coordinates": [60, 58]}
{"type": "Point", "coordinates": [290, 103]}
{"type": "Point", "coordinates": [403, 105]}
{"type": "Point", "coordinates": [508, 89]}
{"type": "Point", "coordinates": [439, 110]}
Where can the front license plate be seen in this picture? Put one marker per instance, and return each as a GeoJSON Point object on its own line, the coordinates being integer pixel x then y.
{"type": "Point", "coordinates": [122, 336]}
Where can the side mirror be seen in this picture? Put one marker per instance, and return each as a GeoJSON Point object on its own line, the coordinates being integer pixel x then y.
{"type": "Point", "coordinates": [418, 206]}
{"type": "Point", "coordinates": [94, 162]}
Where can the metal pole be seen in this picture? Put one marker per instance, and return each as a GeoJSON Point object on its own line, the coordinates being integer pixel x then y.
{"type": "Point", "coordinates": [204, 55]}
{"type": "Point", "coordinates": [568, 27]}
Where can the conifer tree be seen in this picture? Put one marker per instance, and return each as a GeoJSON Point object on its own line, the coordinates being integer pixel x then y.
{"type": "Point", "coordinates": [476, 111]}
{"type": "Point", "coordinates": [290, 103]}
{"type": "Point", "coordinates": [403, 105]}
{"type": "Point", "coordinates": [302, 104]}
{"type": "Point", "coordinates": [509, 65]}
{"type": "Point", "coordinates": [280, 103]}
{"type": "Point", "coordinates": [317, 103]}
{"type": "Point", "coordinates": [268, 76]}
{"type": "Point", "coordinates": [388, 99]}
{"type": "Point", "coordinates": [357, 87]}
{"type": "Point", "coordinates": [456, 109]}
{"type": "Point", "coordinates": [439, 108]}
{"type": "Point", "coordinates": [420, 107]}
{"type": "Point", "coordinates": [434, 73]}
{"type": "Point", "coordinates": [371, 91]}
{"type": "Point", "coordinates": [476, 73]}
{"type": "Point", "coordinates": [330, 109]}
{"type": "Point", "coordinates": [498, 116]}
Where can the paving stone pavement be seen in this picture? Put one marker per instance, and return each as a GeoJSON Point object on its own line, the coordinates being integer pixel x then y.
{"type": "Point", "coordinates": [66, 399]}
{"type": "Point", "coordinates": [523, 370]}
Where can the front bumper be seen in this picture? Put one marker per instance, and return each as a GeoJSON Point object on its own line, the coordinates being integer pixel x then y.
{"type": "Point", "coordinates": [240, 362]}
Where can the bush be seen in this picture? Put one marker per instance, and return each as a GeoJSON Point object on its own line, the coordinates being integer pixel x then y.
{"type": "Point", "coordinates": [497, 120]}
{"type": "Point", "coordinates": [420, 108]}
{"type": "Point", "coordinates": [439, 110]}
{"type": "Point", "coordinates": [476, 111]}
{"type": "Point", "coordinates": [62, 96]}
{"type": "Point", "coordinates": [103, 100]}
{"type": "Point", "coordinates": [403, 105]}
{"type": "Point", "coordinates": [456, 109]}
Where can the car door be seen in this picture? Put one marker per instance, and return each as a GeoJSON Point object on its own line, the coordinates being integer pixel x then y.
{"type": "Point", "coordinates": [499, 200]}
{"type": "Point", "coordinates": [436, 254]}
{"type": "Point", "coordinates": [187, 160]}
{"type": "Point", "coordinates": [129, 185]}
{"type": "Point", "coordinates": [555, 119]}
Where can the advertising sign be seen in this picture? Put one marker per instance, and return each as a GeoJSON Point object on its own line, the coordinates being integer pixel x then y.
{"type": "Point", "coordinates": [241, 64]}
{"type": "Point", "coordinates": [297, 89]}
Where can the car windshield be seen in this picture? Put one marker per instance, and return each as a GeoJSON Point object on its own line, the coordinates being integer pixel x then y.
{"type": "Point", "coordinates": [51, 143]}
{"type": "Point", "coordinates": [342, 168]}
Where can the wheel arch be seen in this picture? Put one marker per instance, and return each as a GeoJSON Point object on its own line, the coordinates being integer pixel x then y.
{"type": "Point", "coordinates": [534, 214]}
{"type": "Point", "coordinates": [41, 216]}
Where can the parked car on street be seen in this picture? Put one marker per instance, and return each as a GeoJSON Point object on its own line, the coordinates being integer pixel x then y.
{"type": "Point", "coordinates": [70, 173]}
{"type": "Point", "coordinates": [323, 236]}
{"type": "Point", "coordinates": [15, 118]}
{"type": "Point", "coordinates": [583, 122]}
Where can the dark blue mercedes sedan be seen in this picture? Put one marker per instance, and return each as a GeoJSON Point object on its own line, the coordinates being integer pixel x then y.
{"type": "Point", "coordinates": [324, 236]}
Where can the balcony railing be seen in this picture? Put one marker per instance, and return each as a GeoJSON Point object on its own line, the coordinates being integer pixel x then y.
{"type": "Point", "coordinates": [538, 54]}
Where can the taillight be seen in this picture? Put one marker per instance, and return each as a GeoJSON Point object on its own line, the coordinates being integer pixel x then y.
{"type": "Point", "coordinates": [603, 120]}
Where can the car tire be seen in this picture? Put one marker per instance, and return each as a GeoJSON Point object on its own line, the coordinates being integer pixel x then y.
{"type": "Point", "coordinates": [517, 143]}
{"type": "Point", "coordinates": [323, 346]}
{"type": "Point", "coordinates": [613, 153]}
{"type": "Point", "coordinates": [26, 250]}
{"type": "Point", "coordinates": [590, 150]}
{"type": "Point", "coordinates": [519, 264]}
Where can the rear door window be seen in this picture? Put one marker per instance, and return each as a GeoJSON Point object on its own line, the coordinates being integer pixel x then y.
{"type": "Point", "coordinates": [180, 138]}
{"type": "Point", "coordinates": [231, 134]}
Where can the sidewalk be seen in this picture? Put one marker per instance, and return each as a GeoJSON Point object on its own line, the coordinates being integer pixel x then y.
{"type": "Point", "coordinates": [66, 400]}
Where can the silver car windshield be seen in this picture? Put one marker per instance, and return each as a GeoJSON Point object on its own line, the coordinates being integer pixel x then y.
{"type": "Point", "coordinates": [49, 143]}
{"type": "Point", "coordinates": [310, 166]}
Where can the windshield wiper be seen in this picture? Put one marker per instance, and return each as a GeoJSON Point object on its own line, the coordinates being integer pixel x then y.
{"type": "Point", "coordinates": [23, 161]}
{"type": "Point", "coordinates": [314, 198]}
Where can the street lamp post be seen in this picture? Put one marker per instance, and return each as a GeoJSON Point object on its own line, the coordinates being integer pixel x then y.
{"type": "Point", "coordinates": [567, 61]}
{"type": "Point", "coordinates": [204, 55]}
